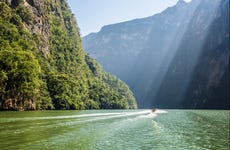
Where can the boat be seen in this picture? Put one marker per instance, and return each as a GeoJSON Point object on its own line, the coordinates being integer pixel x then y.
{"type": "Point", "coordinates": [154, 110]}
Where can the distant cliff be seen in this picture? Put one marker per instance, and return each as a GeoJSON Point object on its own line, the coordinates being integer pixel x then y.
{"type": "Point", "coordinates": [175, 59]}
{"type": "Point", "coordinates": [43, 65]}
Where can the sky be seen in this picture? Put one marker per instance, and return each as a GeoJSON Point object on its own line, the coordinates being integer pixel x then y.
{"type": "Point", "coordinates": [92, 15]}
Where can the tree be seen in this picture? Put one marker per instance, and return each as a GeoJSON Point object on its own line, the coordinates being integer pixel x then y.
{"type": "Point", "coordinates": [19, 71]}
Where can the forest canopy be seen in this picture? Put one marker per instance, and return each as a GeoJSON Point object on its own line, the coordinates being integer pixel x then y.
{"type": "Point", "coordinates": [43, 64]}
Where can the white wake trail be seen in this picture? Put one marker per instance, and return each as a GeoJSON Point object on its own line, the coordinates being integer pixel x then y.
{"type": "Point", "coordinates": [159, 111]}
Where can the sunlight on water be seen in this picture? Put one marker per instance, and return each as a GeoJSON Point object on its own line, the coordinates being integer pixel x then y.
{"type": "Point", "coordinates": [115, 129]}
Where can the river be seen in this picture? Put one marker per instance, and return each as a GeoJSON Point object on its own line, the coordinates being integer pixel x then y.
{"type": "Point", "coordinates": [115, 130]}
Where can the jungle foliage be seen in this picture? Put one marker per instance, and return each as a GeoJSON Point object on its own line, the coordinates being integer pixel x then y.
{"type": "Point", "coordinates": [62, 77]}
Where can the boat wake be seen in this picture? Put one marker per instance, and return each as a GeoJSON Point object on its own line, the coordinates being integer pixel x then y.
{"type": "Point", "coordinates": [96, 116]}
{"type": "Point", "coordinates": [158, 111]}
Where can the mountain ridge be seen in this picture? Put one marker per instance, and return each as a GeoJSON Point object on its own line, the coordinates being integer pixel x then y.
{"type": "Point", "coordinates": [168, 48]}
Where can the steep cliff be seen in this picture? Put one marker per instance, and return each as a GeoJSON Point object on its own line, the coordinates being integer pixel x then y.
{"type": "Point", "coordinates": [175, 59]}
{"type": "Point", "coordinates": [198, 74]}
{"type": "Point", "coordinates": [43, 65]}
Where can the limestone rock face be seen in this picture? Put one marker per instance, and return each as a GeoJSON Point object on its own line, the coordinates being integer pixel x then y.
{"type": "Point", "coordinates": [39, 24]}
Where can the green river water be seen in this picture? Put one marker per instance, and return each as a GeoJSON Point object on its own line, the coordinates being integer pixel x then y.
{"type": "Point", "coordinates": [115, 130]}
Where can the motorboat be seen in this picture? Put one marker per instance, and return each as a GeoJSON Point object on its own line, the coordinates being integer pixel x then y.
{"type": "Point", "coordinates": [154, 110]}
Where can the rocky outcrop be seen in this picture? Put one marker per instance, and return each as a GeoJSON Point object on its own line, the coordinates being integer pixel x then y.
{"type": "Point", "coordinates": [39, 23]}
{"type": "Point", "coordinates": [11, 104]}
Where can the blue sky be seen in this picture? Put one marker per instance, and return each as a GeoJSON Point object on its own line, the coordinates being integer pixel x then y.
{"type": "Point", "coordinates": [91, 15]}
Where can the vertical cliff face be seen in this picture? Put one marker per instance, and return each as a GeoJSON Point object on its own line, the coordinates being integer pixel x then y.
{"type": "Point", "coordinates": [35, 16]}
{"type": "Point", "coordinates": [182, 58]}
{"type": "Point", "coordinates": [213, 65]}
{"type": "Point", "coordinates": [200, 67]}
{"type": "Point", "coordinates": [43, 65]}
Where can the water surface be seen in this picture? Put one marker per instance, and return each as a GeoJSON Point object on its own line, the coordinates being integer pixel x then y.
{"type": "Point", "coordinates": [115, 130]}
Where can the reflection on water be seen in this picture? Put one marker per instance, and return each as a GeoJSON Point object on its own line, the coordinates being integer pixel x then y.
{"type": "Point", "coordinates": [115, 129]}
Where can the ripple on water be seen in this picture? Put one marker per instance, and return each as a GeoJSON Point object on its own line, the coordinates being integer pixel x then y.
{"type": "Point", "coordinates": [109, 129]}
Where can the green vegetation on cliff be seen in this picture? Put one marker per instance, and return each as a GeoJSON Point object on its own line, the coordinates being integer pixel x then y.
{"type": "Point", "coordinates": [43, 65]}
